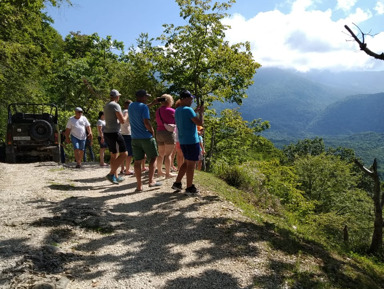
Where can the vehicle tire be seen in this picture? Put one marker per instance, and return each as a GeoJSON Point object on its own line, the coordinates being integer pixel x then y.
{"type": "Point", "coordinates": [2, 151]}
{"type": "Point", "coordinates": [41, 130]}
{"type": "Point", "coordinates": [10, 156]}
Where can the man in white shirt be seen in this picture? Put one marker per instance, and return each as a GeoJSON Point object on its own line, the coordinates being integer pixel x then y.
{"type": "Point", "coordinates": [79, 128]}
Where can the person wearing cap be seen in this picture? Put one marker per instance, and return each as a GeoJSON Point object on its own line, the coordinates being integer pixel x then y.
{"type": "Point", "coordinates": [112, 136]}
{"type": "Point", "coordinates": [143, 141]}
{"type": "Point", "coordinates": [79, 128]}
{"type": "Point", "coordinates": [187, 122]}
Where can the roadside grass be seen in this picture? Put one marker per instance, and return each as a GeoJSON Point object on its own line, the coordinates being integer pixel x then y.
{"type": "Point", "coordinates": [333, 268]}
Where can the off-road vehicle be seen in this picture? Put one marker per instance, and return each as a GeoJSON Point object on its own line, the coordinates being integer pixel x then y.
{"type": "Point", "coordinates": [32, 133]}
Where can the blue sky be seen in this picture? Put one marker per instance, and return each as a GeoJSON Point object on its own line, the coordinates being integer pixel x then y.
{"type": "Point", "coordinates": [298, 34]}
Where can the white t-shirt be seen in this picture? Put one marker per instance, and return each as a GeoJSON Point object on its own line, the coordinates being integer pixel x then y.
{"type": "Point", "coordinates": [78, 127]}
{"type": "Point", "coordinates": [126, 126]}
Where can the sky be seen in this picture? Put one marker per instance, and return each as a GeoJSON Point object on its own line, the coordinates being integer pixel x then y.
{"type": "Point", "coordinates": [290, 34]}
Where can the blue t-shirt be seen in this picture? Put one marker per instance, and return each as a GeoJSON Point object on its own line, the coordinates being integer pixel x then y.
{"type": "Point", "coordinates": [187, 129]}
{"type": "Point", "coordinates": [137, 112]}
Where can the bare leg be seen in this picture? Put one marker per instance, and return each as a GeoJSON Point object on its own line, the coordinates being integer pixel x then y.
{"type": "Point", "coordinates": [137, 168]}
{"type": "Point", "coordinates": [160, 160]}
{"type": "Point", "coordinates": [179, 158]}
{"type": "Point", "coordinates": [128, 161]}
{"type": "Point", "coordinates": [116, 161]}
{"type": "Point", "coordinates": [173, 159]}
{"type": "Point", "coordinates": [151, 171]}
{"type": "Point", "coordinates": [169, 148]}
{"type": "Point", "coordinates": [182, 171]}
{"type": "Point", "coordinates": [79, 154]}
{"type": "Point", "coordinates": [102, 153]}
{"type": "Point", "coordinates": [190, 172]}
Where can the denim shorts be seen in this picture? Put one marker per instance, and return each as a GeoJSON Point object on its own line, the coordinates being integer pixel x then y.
{"type": "Point", "coordinates": [78, 144]}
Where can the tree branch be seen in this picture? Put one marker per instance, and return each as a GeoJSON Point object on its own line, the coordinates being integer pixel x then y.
{"type": "Point", "coordinates": [363, 168]}
{"type": "Point", "coordinates": [363, 45]}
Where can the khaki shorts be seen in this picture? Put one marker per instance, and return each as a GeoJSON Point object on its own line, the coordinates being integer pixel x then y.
{"type": "Point", "coordinates": [142, 147]}
{"type": "Point", "coordinates": [165, 137]}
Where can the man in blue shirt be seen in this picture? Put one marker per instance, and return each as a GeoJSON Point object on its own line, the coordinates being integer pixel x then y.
{"type": "Point", "coordinates": [187, 122]}
{"type": "Point", "coordinates": [143, 141]}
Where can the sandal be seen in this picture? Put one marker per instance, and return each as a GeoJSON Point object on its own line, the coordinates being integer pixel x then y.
{"type": "Point", "coordinates": [155, 184]}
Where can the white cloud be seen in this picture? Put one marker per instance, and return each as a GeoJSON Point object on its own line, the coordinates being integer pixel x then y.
{"type": "Point", "coordinates": [304, 39]}
{"type": "Point", "coordinates": [379, 8]}
{"type": "Point", "coordinates": [345, 5]}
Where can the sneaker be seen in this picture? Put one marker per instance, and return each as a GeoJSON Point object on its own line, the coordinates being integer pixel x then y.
{"type": "Point", "coordinates": [192, 190]}
{"type": "Point", "coordinates": [112, 179]}
{"type": "Point", "coordinates": [177, 186]}
{"type": "Point", "coordinates": [120, 179]}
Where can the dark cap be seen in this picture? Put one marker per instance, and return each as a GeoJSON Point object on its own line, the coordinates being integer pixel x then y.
{"type": "Point", "coordinates": [141, 93]}
{"type": "Point", "coordinates": [79, 109]}
{"type": "Point", "coordinates": [186, 94]}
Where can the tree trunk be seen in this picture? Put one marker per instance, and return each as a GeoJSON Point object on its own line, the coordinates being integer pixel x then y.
{"type": "Point", "coordinates": [377, 237]}
{"type": "Point", "coordinates": [210, 152]}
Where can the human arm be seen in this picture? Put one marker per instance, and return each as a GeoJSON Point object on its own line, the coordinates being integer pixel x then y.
{"type": "Point", "coordinates": [199, 120]}
{"type": "Point", "coordinates": [202, 147]}
{"type": "Point", "coordinates": [153, 102]}
{"type": "Point", "coordinates": [120, 117]}
{"type": "Point", "coordinates": [148, 126]}
{"type": "Point", "coordinates": [89, 134]}
{"type": "Point", "coordinates": [67, 132]}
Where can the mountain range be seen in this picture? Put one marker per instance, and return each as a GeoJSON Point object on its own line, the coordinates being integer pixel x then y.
{"type": "Point", "coordinates": [316, 103]}
{"type": "Point", "coordinates": [343, 108]}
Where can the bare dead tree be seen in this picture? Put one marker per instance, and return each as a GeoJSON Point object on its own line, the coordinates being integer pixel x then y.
{"type": "Point", "coordinates": [363, 46]}
{"type": "Point", "coordinates": [378, 200]}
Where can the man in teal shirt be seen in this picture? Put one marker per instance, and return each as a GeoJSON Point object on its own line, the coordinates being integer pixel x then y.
{"type": "Point", "coordinates": [187, 122]}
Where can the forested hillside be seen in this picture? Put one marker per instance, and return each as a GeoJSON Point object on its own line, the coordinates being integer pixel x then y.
{"type": "Point", "coordinates": [354, 114]}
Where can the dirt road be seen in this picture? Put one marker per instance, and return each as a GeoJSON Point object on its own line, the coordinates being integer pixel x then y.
{"type": "Point", "coordinates": [63, 227]}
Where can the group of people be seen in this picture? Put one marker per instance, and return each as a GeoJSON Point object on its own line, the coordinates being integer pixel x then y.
{"type": "Point", "coordinates": [129, 133]}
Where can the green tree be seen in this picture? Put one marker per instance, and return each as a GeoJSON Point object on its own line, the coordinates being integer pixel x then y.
{"type": "Point", "coordinates": [196, 57]}
{"type": "Point", "coordinates": [86, 71]}
{"type": "Point", "coordinates": [304, 147]}
{"type": "Point", "coordinates": [325, 179]}
{"type": "Point", "coordinates": [232, 139]}
{"type": "Point", "coordinates": [137, 69]}
{"type": "Point", "coordinates": [27, 51]}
